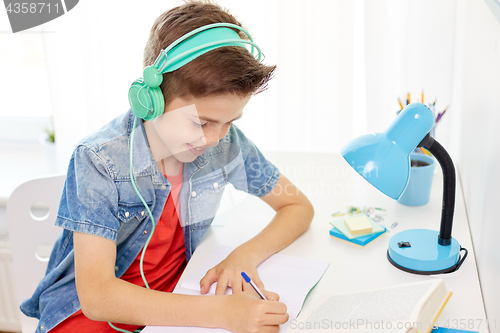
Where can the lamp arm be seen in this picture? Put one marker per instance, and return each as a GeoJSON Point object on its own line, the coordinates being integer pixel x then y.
{"type": "Point", "coordinates": [449, 186]}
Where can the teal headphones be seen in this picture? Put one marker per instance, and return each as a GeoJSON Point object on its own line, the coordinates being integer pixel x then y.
{"type": "Point", "coordinates": [145, 96]}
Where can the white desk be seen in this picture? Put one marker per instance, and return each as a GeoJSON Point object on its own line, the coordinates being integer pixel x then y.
{"type": "Point", "coordinates": [331, 185]}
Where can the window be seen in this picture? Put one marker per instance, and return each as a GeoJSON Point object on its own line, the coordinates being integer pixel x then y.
{"type": "Point", "coordinates": [25, 105]}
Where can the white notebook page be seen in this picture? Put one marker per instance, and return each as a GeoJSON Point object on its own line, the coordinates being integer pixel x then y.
{"type": "Point", "coordinates": [290, 277]}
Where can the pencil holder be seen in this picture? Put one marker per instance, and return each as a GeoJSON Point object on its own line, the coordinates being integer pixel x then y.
{"type": "Point", "coordinates": [418, 191]}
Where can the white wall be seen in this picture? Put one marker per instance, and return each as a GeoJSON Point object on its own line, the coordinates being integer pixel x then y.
{"type": "Point", "coordinates": [478, 95]}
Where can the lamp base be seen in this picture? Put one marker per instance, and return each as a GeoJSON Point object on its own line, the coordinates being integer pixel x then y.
{"type": "Point", "coordinates": [417, 251]}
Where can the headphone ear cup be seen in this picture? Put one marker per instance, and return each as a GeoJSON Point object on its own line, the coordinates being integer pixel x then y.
{"type": "Point", "coordinates": [158, 103]}
{"type": "Point", "coordinates": [147, 103]}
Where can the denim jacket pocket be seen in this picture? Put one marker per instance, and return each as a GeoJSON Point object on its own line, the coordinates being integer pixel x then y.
{"type": "Point", "coordinates": [205, 197]}
{"type": "Point", "coordinates": [130, 216]}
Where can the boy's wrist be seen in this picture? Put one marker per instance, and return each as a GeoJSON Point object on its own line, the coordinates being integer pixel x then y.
{"type": "Point", "coordinates": [219, 311]}
{"type": "Point", "coordinates": [243, 251]}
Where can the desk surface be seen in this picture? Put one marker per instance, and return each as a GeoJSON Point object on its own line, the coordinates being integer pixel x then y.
{"type": "Point", "coordinates": [331, 185]}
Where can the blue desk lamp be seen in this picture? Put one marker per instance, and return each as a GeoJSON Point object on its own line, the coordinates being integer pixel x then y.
{"type": "Point", "coordinates": [383, 159]}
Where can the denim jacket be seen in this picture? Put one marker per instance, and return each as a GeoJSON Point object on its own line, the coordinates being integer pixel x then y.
{"type": "Point", "coordinates": [98, 198]}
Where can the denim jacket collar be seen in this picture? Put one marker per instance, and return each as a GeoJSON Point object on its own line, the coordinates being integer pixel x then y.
{"type": "Point", "coordinates": [143, 161]}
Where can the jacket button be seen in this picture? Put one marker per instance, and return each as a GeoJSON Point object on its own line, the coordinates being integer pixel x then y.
{"type": "Point", "coordinates": [216, 185]}
{"type": "Point", "coordinates": [145, 232]}
{"type": "Point", "coordinates": [142, 213]}
{"type": "Point", "coordinates": [42, 328]}
{"type": "Point", "coordinates": [163, 187]}
{"type": "Point", "coordinates": [127, 214]}
{"type": "Point", "coordinates": [193, 194]}
{"type": "Point", "coordinates": [116, 268]}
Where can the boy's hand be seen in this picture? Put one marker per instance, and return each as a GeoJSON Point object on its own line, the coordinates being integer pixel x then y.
{"type": "Point", "coordinates": [228, 274]}
{"type": "Point", "coordinates": [247, 312]}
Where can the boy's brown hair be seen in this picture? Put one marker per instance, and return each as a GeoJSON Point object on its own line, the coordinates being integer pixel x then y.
{"type": "Point", "coordinates": [230, 69]}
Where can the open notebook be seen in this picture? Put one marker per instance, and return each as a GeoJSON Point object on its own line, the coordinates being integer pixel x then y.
{"type": "Point", "coordinates": [290, 277]}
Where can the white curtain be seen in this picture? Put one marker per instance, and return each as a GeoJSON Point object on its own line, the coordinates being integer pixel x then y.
{"type": "Point", "coordinates": [341, 65]}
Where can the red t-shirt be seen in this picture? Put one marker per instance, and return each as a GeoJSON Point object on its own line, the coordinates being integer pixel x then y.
{"type": "Point", "coordinates": [163, 264]}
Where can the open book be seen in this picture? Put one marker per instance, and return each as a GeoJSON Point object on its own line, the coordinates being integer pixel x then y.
{"type": "Point", "coordinates": [290, 277]}
{"type": "Point", "coordinates": [412, 307]}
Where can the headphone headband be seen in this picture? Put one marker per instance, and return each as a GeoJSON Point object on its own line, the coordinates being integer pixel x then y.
{"type": "Point", "coordinates": [199, 44]}
{"type": "Point", "coordinates": [145, 96]}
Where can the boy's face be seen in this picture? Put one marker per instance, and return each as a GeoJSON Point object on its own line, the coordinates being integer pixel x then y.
{"type": "Point", "coordinates": [190, 125]}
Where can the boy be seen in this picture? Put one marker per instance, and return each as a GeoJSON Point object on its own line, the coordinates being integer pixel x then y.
{"type": "Point", "coordinates": [182, 161]}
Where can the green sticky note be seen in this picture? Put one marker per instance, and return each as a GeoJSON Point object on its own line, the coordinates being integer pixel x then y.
{"type": "Point", "coordinates": [340, 225]}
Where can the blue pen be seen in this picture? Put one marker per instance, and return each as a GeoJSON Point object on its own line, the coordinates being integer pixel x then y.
{"type": "Point", "coordinates": [257, 290]}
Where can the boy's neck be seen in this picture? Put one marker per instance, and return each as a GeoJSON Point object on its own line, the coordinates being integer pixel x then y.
{"type": "Point", "coordinates": [170, 165]}
{"type": "Point", "coordinates": [169, 169]}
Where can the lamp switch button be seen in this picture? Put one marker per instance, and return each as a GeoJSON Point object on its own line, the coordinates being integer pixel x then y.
{"type": "Point", "coordinates": [404, 244]}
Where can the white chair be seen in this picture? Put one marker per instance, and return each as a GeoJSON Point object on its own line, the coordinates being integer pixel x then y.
{"type": "Point", "coordinates": [31, 212]}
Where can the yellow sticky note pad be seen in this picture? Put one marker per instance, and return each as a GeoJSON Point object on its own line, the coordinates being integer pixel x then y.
{"type": "Point", "coordinates": [341, 225]}
{"type": "Point", "coordinates": [358, 225]}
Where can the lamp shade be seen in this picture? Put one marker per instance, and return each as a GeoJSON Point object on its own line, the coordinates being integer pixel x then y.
{"type": "Point", "coordinates": [383, 159]}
